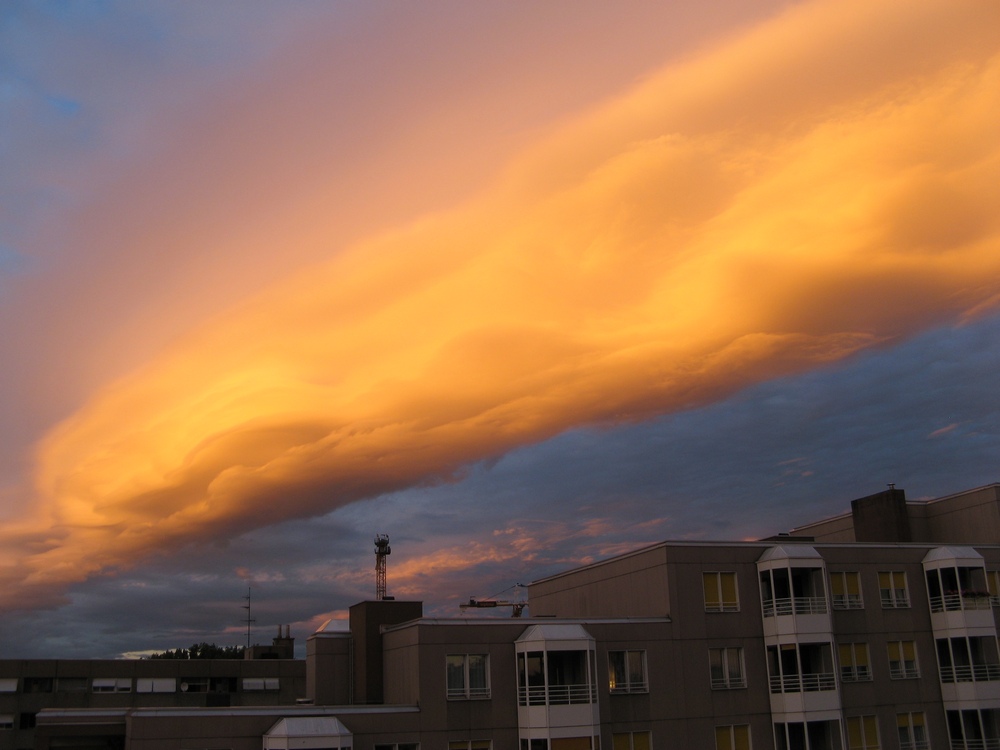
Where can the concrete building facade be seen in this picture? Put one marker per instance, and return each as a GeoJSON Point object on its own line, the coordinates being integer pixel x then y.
{"type": "Point", "coordinates": [821, 639]}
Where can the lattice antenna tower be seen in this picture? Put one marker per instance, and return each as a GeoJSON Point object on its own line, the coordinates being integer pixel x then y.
{"type": "Point", "coordinates": [382, 551]}
{"type": "Point", "coordinates": [249, 621]}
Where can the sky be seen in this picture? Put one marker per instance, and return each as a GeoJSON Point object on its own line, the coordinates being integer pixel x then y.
{"type": "Point", "coordinates": [522, 285]}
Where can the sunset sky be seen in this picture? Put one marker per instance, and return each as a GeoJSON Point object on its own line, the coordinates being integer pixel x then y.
{"type": "Point", "coordinates": [522, 285]}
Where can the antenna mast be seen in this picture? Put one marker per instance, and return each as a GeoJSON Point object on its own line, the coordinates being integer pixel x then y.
{"type": "Point", "coordinates": [382, 551]}
{"type": "Point", "coordinates": [249, 621]}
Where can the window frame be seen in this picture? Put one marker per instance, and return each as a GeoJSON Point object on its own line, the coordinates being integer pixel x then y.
{"type": "Point", "coordinates": [628, 686]}
{"type": "Point", "coordinates": [902, 672]}
{"type": "Point", "coordinates": [727, 682]}
{"type": "Point", "coordinates": [846, 600]}
{"type": "Point", "coordinates": [905, 724]}
{"type": "Point", "coordinates": [863, 723]}
{"type": "Point", "coordinates": [111, 685]}
{"type": "Point", "coordinates": [733, 742]}
{"type": "Point", "coordinates": [891, 597]}
{"type": "Point", "coordinates": [855, 672]}
{"type": "Point", "coordinates": [993, 586]}
{"type": "Point", "coordinates": [631, 738]}
{"type": "Point", "coordinates": [466, 691]}
{"type": "Point", "coordinates": [720, 604]}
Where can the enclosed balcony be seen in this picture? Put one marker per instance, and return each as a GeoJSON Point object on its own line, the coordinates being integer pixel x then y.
{"type": "Point", "coordinates": [974, 729]}
{"type": "Point", "coordinates": [801, 667]}
{"type": "Point", "coordinates": [793, 591]}
{"type": "Point", "coordinates": [973, 659]}
{"type": "Point", "coordinates": [556, 684]}
{"type": "Point", "coordinates": [958, 588]}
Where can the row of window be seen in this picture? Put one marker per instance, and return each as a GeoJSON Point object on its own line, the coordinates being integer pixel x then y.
{"type": "Point", "coordinates": [142, 684]}
{"type": "Point", "coordinates": [787, 590]}
{"type": "Point", "coordinates": [862, 734]}
{"type": "Point", "coordinates": [793, 667]}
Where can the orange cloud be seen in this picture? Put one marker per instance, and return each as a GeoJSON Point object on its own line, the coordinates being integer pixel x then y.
{"type": "Point", "coordinates": [825, 183]}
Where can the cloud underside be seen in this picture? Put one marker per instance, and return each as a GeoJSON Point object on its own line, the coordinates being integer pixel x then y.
{"type": "Point", "coordinates": [825, 183]}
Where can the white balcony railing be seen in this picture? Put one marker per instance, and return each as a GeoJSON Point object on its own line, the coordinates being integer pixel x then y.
{"type": "Point", "coordinates": [971, 673]}
{"type": "Point", "coordinates": [803, 683]}
{"type": "Point", "coordinates": [990, 743]}
{"type": "Point", "coordinates": [955, 602]}
{"type": "Point", "coordinates": [556, 695]}
{"type": "Point", "coordinates": [797, 605]}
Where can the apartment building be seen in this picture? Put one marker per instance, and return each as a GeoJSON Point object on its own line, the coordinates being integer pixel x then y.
{"type": "Point", "coordinates": [821, 639]}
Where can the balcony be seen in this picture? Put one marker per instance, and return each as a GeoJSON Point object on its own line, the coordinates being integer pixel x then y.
{"type": "Point", "coordinates": [803, 683]}
{"type": "Point", "coordinates": [986, 744]}
{"type": "Point", "coordinates": [953, 601]}
{"type": "Point", "coordinates": [970, 673]}
{"type": "Point", "coordinates": [914, 745]}
{"type": "Point", "coordinates": [799, 605]}
{"type": "Point", "coordinates": [556, 695]}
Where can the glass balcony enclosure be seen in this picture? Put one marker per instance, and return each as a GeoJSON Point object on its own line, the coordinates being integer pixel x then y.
{"type": "Point", "coordinates": [800, 667]}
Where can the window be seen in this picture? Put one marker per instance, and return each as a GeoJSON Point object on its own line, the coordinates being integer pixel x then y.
{"type": "Point", "coordinates": [845, 590]}
{"type": "Point", "coordinates": [720, 592]}
{"type": "Point", "coordinates": [631, 741]}
{"type": "Point", "coordinates": [73, 684]}
{"type": "Point", "coordinates": [854, 662]}
{"type": "Point", "coordinates": [27, 721]}
{"type": "Point", "coordinates": [470, 745]}
{"type": "Point", "coordinates": [261, 683]}
{"type": "Point", "coordinates": [862, 733]}
{"type": "Point", "coordinates": [112, 685]}
{"type": "Point", "coordinates": [903, 660]}
{"type": "Point", "coordinates": [735, 737]}
{"type": "Point", "coordinates": [8, 685]}
{"type": "Point", "coordinates": [400, 746]}
{"type": "Point", "coordinates": [993, 586]}
{"type": "Point", "coordinates": [156, 685]}
{"type": "Point", "coordinates": [37, 685]}
{"type": "Point", "coordinates": [468, 675]}
{"type": "Point", "coordinates": [194, 684]}
{"type": "Point", "coordinates": [912, 735]}
{"type": "Point", "coordinates": [892, 589]}
{"type": "Point", "coordinates": [810, 735]}
{"type": "Point", "coordinates": [726, 668]}
{"type": "Point", "coordinates": [6, 721]}
{"type": "Point", "coordinates": [627, 671]}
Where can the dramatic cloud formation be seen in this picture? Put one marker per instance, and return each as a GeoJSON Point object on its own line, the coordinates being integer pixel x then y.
{"type": "Point", "coordinates": [777, 203]}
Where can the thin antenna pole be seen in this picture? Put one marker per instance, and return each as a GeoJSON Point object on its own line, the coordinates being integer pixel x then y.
{"type": "Point", "coordinates": [249, 620]}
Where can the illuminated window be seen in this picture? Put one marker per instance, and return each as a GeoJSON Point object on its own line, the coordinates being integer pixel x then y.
{"type": "Point", "coordinates": [720, 592]}
{"type": "Point", "coordinates": [631, 741]}
{"type": "Point", "coordinates": [862, 733]}
{"type": "Point", "coordinates": [845, 590]}
{"type": "Point", "coordinates": [726, 668]}
{"type": "Point", "coordinates": [903, 660]}
{"type": "Point", "coordinates": [468, 676]}
{"type": "Point", "coordinates": [912, 735]}
{"type": "Point", "coordinates": [854, 662]}
{"type": "Point", "coordinates": [627, 672]}
{"type": "Point", "coordinates": [736, 737]}
{"type": "Point", "coordinates": [892, 589]}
